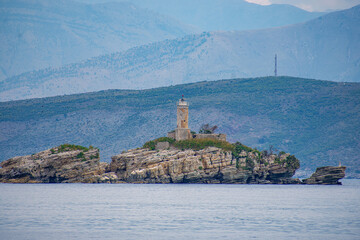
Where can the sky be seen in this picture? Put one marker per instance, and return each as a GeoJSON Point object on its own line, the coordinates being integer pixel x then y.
{"type": "Point", "coordinates": [313, 5]}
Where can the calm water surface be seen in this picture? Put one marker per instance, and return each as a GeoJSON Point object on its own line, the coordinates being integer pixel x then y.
{"type": "Point", "coordinates": [127, 211]}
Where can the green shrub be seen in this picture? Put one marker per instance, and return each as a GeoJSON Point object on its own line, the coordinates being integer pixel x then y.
{"type": "Point", "coordinates": [207, 129]}
{"type": "Point", "coordinates": [94, 156]}
{"type": "Point", "coordinates": [240, 146]}
{"type": "Point", "coordinates": [246, 168]}
{"type": "Point", "coordinates": [200, 167]}
{"type": "Point", "coordinates": [71, 147]}
{"type": "Point", "coordinates": [257, 151]}
{"type": "Point", "coordinates": [292, 162]}
{"type": "Point", "coordinates": [165, 139]}
{"type": "Point", "coordinates": [194, 144]}
{"type": "Point", "coordinates": [198, 144]}
{"type": "Point", "coordinates": [151, 144]}
{"type": "Point", "coordinates": [80, 155]}
{"type": "Point", "coordinates": [250, 163]}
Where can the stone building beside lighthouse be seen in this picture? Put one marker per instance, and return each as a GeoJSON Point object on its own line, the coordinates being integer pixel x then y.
{"type": "Point", "coordinates": [182, 131]}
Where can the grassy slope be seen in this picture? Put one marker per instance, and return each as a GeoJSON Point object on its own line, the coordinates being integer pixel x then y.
{"type": "Point", "coordinates": [315, 120]}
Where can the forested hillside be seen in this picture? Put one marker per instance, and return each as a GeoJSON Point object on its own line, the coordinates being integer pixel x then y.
{"type": "Point", "coordinates": [318, 121]}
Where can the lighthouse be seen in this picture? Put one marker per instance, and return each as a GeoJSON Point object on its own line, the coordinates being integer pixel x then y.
{"type": "Point", "coordinates": [182, 131]}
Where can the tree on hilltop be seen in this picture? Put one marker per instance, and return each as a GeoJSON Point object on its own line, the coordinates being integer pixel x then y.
{"type": "Point", "coordinates": [207, 129]}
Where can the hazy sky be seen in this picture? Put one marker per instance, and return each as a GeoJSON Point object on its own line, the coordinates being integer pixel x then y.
{"type": "Point", "coordinates": [313, 5]}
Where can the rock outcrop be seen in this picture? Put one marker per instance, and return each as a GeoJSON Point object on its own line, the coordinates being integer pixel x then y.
{"type": "Point", "coordinates": [210, 165]}
{"type": "Point", "coordinates": [75, 164]}
{"type": "Point", "coordinates": [326, 176]}
{"type": "Point", "coordinates": [63, 164]}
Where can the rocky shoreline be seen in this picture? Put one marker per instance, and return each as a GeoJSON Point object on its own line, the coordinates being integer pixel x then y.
{"type": "Point", "coordinates": [76, 164]}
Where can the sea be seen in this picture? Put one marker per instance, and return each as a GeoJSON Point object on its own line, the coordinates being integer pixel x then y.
{"type": "Point", "coordinates": [179, 211]}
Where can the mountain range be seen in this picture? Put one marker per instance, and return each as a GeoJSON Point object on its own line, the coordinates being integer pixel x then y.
{"type": "Point", "coordinates": [227, 15]}
{"type": "Point", "coordinates": [318, 121]}
{"type": "Point", "coordinates": [327, 48]}
{"type": "Point", "coordinates": [54, 33]}
{"type": "Point", "coordinates": [36, 34]}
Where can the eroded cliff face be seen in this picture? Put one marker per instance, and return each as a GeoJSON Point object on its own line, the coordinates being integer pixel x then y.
{"type": "Point", "coordinates": [54, 165]}
{"type": "Point", "coordinates": [210, 165]}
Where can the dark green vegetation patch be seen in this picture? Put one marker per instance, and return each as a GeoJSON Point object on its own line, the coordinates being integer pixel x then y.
{"type": "Point", "coordinates": [290, 162]}
{"type": "Point", "coordinates": [194, 144]}
{"type": "Point", "coordinates": [152, 144]}
{"type": "Point", "coordinates": [197, 144]}
{"type": "Point", "coordinates": [72, 147]}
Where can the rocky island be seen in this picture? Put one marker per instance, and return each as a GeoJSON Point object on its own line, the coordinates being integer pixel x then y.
{"type": "Point", "coordinates": [181, 157]}
{"type": "Point", "coordinates": [75, 164]}
{"type": "Point", "coordinates": [326, 175]}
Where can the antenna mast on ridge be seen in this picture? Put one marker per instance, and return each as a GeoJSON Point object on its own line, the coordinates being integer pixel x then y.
{"type": "Point", "coordinates": [275, 71]}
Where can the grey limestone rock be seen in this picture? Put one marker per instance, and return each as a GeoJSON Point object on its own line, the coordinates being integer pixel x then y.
{"type": "Point", "coordinates": [210, 165]}
{"type": "Point", "coordinates": [53, 166]}
{"type": "Point", "coordinates": [326, 175]}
